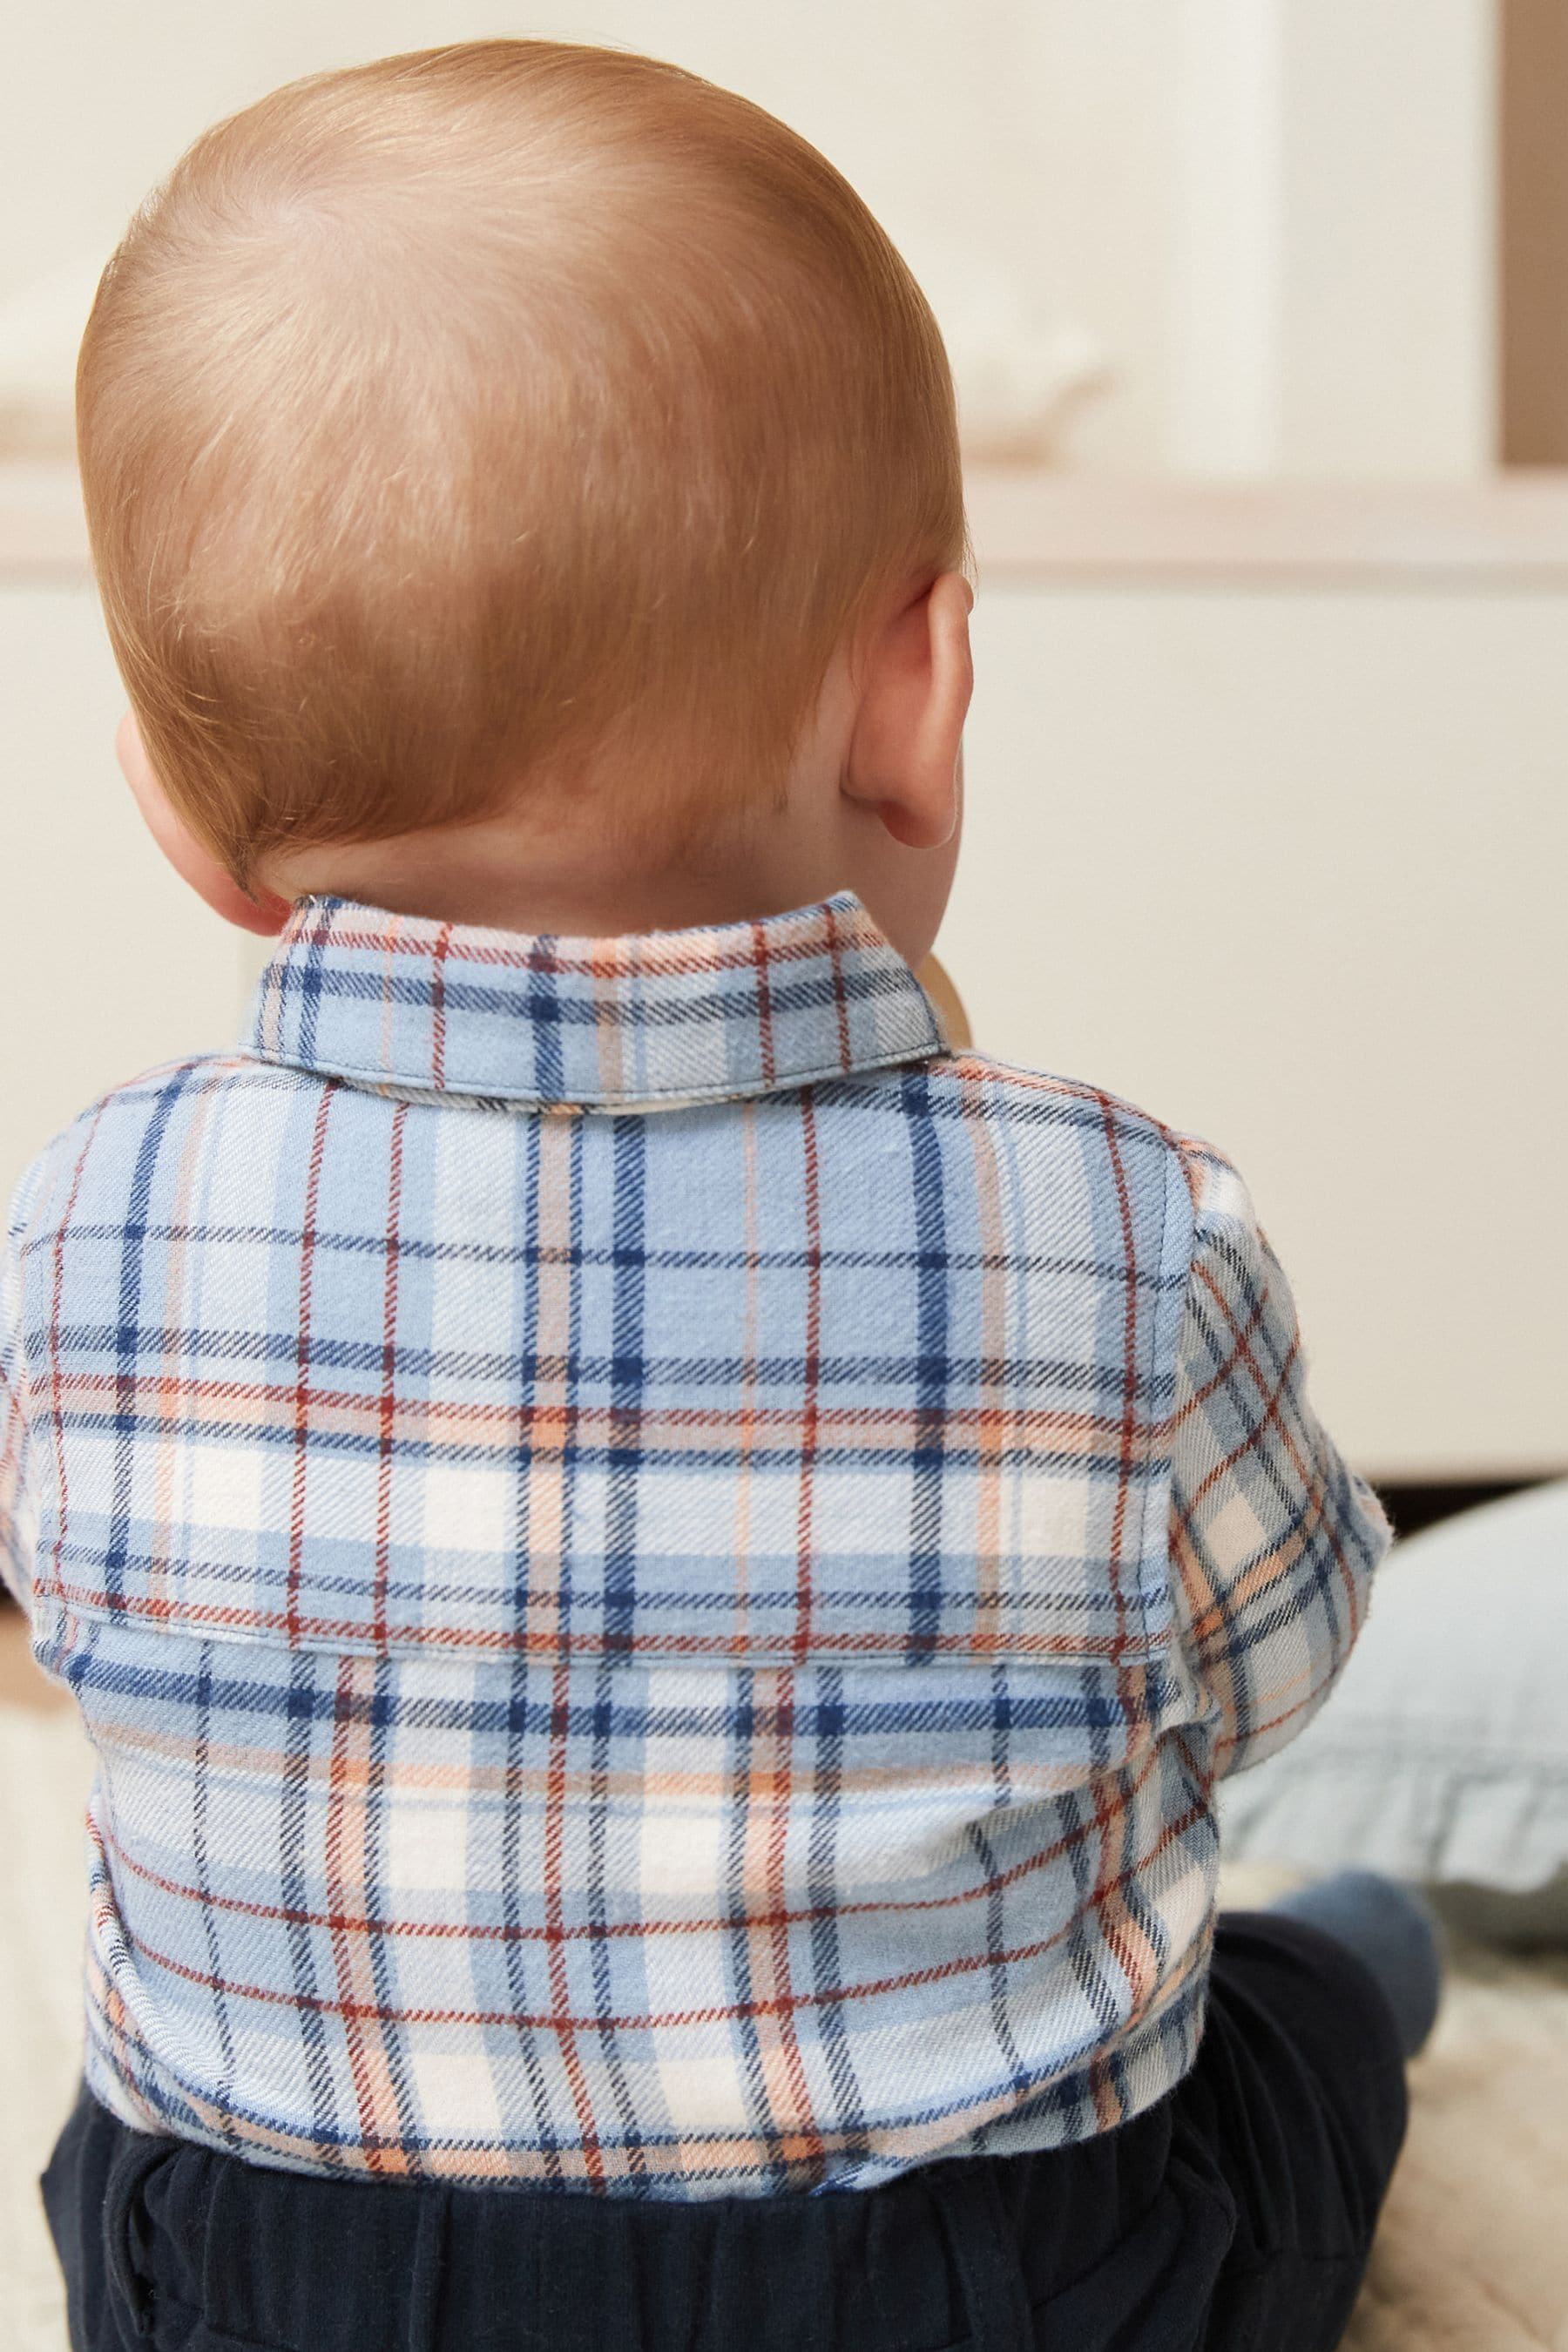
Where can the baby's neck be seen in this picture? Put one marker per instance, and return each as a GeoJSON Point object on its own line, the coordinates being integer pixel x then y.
{"type": "Point", "coordinates": [495, 874]}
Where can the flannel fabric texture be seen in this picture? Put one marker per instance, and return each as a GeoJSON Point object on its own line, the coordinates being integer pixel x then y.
{"type": "Point", "coordinates": [660, 1569]}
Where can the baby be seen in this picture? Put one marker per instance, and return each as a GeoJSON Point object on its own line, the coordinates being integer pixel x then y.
{"type": "Point", "coordinates": [660, 1567]}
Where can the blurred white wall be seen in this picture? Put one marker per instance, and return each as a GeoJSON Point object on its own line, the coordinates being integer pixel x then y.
{"type": "Point", "coordinates": [1272, 217]}
{"type": "Point", "coordinates": [1332, 239]}
{"type": "Point", "coordinates": [1283, 864]}
{"type": "Point", "coordinates": [111, 964]}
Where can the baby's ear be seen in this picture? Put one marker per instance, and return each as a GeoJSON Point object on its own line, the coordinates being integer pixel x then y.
{"type": "Point", "coordinates": [263, 914]}
{"type": "Point", "coordinates": [915, 678]}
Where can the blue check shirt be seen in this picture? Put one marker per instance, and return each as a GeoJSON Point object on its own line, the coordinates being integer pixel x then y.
{"type": "Point", "coordinates": [660, 1569]}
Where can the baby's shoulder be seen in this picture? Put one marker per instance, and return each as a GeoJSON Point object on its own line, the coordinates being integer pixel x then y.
{"type": "Point", "coordinates": [1082, 1178]}
{"type": "Point", "coordinates": [103, 1164]}
{"type": "Point", "coordinates": [1082, 1116]}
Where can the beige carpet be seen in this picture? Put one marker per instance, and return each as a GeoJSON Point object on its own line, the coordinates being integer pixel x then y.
{"type": "Point", "coordinates": [1473, 2253]}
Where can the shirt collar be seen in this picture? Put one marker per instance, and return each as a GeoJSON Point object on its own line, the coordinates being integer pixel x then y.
{"type": "Point", "coordinates": [659, 1017]}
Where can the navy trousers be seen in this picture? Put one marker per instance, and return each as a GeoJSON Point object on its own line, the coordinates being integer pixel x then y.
{"type": "Point", "coordinates": [1235, 2216]}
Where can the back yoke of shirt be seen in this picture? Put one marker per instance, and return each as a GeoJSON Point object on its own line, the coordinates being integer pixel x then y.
{"type": "Point", "coordinates": [660, 1570]}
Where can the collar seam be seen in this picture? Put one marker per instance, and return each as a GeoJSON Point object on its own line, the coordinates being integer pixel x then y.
{"type": "Point", "coordinates": [791, 1082]}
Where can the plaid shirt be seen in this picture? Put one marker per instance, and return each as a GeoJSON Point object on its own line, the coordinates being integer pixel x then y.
{"type": "Point", "coordinates": [659, 1569]}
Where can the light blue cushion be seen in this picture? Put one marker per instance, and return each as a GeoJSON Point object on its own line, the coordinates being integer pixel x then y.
{"type": "Point", "coordinates": [1442, 1755]}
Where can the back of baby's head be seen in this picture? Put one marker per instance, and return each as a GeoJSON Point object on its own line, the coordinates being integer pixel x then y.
{"type": "Point", "coordinates": [480, 421]}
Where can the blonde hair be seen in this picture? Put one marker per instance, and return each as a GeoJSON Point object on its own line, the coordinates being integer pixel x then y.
{"type": "Point", "coordinates": [491, 417]}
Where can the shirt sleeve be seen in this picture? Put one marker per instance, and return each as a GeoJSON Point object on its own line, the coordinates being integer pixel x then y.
{"type": "Point", "coordinates": [1273, 1540]}
{"type": "Point", "coordinates": [16, 1527]}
